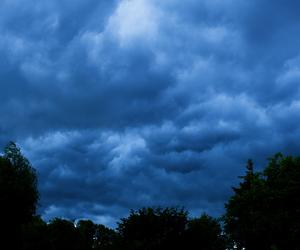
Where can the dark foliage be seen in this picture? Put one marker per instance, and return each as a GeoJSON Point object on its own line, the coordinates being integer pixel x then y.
{"type": "Point", "coordinates": [264, 212]}
{"type": "Point", "coordinates": [18, 194]}
{"type": "Point", "coordinates": [204, 233]}
{"type": "Point", "coordinates": [152, 228]}
{"type": "Point", "coordinates": [35, 235]}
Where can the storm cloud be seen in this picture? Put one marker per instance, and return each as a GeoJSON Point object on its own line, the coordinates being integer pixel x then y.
{"type": "Point", "coordinates": [124, 104]}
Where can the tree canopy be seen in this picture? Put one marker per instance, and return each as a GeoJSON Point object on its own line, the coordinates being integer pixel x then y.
{"type": "Point", "coordinates": [264, 212]}
{"type": "Point", "coordinates": [18, 193]}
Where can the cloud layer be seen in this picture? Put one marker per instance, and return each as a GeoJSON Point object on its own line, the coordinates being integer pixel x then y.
{"type": "Point", "coordinates": [123, 104]}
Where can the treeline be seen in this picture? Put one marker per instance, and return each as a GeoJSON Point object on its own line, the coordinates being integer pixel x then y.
{"type": "Point", "coordinates": [147, 228]}
{"type": "Point", "coordinates": [263, 213]}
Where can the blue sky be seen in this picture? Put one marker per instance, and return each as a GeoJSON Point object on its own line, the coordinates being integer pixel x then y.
{"type": "Point", "coordinates": [124, 104]}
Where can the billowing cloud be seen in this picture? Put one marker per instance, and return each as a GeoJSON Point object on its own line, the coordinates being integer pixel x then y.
{"type": "Point", "coordinates": [123, 104]}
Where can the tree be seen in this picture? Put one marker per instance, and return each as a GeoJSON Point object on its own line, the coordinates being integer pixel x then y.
{"type": "Point", "coordinates": [63, 235]}
{"type": "Point", "coordinates": [282, 178]}
{"type": "Point", "coordinates": [105, 238]}
{"type": "Point", "coordinates": [244, 222]}
{"type": "Point", "coordinates": [95, 236]}
{"type": "Point", "coordinates": [152, 228]}
{"type": "Point", "coordinates": [18, 193]}
{"type": "Point", "coordinates": [87, 230]}
{"type": "Point", "coordinates": [204, 233]}
{"type": "Point", "coordinates": [35, 235]}
{"type": "Point", "coordinates": [264, 211]}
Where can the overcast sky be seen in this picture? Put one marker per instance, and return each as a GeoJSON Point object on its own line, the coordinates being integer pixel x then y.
{"type": "Point", "coordinates": [122, 104]}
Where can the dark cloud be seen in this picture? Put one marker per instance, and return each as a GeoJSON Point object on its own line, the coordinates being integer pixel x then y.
{"type": "Point", "coordinates": [123, 104]}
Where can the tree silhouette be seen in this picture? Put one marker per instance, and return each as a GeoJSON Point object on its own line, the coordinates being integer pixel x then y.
{"type": "Point", "coordinates": [204, 233]}
{"type": "Point", "coordinates": [87, 230]}
{"type": "Point", "coordinates": [152, 228]}
{"type": "Point", "coordinates": [264, 212]}
{"type": "Point", "coordinates": [64, 235]}
{"type": "Point", "coordinates": [18, 193]}
{"type": "Point", "coordinates": [105, 238]}
{"type": "Point", "coordinates": [282, 181]}
{"type": "Point", "coordinates": [35, 235]}
{"type": "Point", "coordinates": [245, 217]}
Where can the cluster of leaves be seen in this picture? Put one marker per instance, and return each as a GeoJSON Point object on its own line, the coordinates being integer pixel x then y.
{"type": "Point", "coordinates": [263, 213]}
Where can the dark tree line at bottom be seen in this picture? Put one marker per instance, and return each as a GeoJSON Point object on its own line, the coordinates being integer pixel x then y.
{"type": "Point", "coordinates": [263, 213]}
{"type": "Point", "coordinates": [147, 228]}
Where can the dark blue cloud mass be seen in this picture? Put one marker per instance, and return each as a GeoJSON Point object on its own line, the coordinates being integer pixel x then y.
{"type": "Point", "coordinates": [128, 103]}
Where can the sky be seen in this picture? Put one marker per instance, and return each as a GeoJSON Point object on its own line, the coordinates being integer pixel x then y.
{"type": "Point", "coordinates": [122, 104]}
